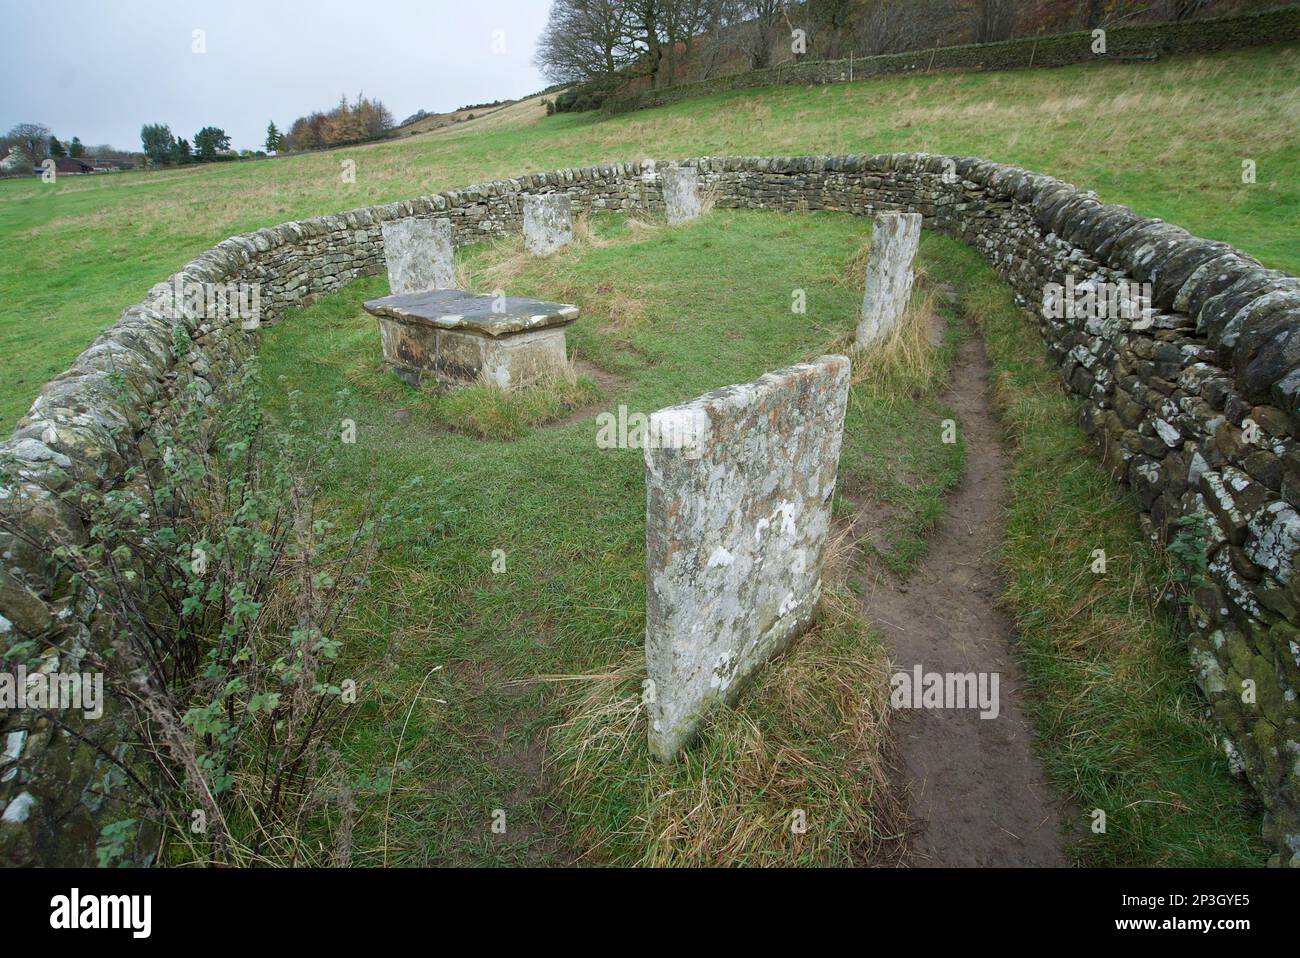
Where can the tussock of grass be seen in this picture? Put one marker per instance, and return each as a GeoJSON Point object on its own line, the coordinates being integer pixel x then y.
{"type": "Point", "coordinates": [807, 735]}
{"type": "Point", "coordinates": [911, 362]}
{"type": "Point", "coordinates": [643, 225]}
{"type": "Point", "coordinates": [1121, 724]}
{"type": "Point", "coordinates": [614, 306]}
{"type": "Point", "coordinates": [488, 411]}
{"type": "Point", "coordinates": [507, 260]}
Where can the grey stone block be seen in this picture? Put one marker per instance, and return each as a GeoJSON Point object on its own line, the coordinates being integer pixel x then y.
{"type": "Point", "coordinates": [738, 505]}
{"type": "Point", "coordinates": [548, 223]}
{"type": "Point", "coordinates": [420, 255]}
{"type": "Point", "coordinates": [681, 189]}
{"type": "Point", "coordinates": [894, 241]}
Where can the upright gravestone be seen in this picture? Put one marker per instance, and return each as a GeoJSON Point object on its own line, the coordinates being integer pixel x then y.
{"type": "Point", "coordinates": [681, 189]}
{"type": "Point", "coordinates": [548, 223]}
{"type": "Point", "coordinates": [894, 240]}
{"type": "Point", "coordinates": [420, 255]}
{"type": "Point", "coordinates": [738, 506]}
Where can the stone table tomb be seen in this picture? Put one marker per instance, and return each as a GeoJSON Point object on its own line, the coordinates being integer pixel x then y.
{"type": "Point", "coordinates": [457, 338]}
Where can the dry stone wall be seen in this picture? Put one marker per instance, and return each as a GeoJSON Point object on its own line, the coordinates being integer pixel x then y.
{"type": "Point", "coordinates": [1194, 405]}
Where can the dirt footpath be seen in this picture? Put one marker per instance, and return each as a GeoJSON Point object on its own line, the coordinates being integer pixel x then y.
{"type": "Point", "coordinates": [978, 794]}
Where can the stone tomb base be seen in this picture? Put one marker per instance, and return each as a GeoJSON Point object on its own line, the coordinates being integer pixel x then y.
{"type": "Point", "coordinates": [457, 338]}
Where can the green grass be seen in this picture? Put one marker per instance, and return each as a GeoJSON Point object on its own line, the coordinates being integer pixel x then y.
{"type": "Point", "coordinates": [453, 720]}
{"type": "Point", "coordinates": [570, 519]}
{"type": "Point", "coordinates": [533, 707]}
{"type": "Point", "coordinates": [1166, 138]}
{"type": "Point", "coordinates": [1121, 725]}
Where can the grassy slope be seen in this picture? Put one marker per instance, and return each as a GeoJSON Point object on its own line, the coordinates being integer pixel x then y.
{"type": "Point", "coordinates": [1167, 139]}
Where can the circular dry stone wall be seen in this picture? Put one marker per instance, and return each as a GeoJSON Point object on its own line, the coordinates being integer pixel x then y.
{"type": "Point", "coordinates": [1194, 405]}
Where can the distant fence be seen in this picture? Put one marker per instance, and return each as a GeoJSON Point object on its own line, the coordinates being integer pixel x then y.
{"type": "Point", "coordinates": [1135, 42]}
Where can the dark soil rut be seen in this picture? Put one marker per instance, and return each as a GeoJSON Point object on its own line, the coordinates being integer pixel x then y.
{"type": "Point", "coordinates": [978, 794]}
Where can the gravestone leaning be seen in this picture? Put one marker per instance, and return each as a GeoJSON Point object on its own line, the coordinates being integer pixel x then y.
{"type": "Point", "coordinates": [548, 223]}
{"type": "Point", "coordinates": [894, 241]}
{"type": "Point", "coordinates": [737, 512]}
{"type": "Point", "coordinates": [681, 189]}
{"type": "Point", "coordinates": [419, 254]}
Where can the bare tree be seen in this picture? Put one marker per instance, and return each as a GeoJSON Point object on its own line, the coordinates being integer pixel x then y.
{"type": "Point", "coordinates": [831, 26]}
{"type": "Point", "coordinates": [646, 18]}
{"type": "Point", "coordinates": [896, 26]}
{"type": "Point", "coordinates": [686, 24]}
{"type": "Point", "coordinates": [31, 141]}
{"type": "Point", "coordinates": [709, 47]}
{"type": "Point", "coordinates": [994, 20]}
{"type": "Point", "coordinates": [759, 25]}
{"type": "Point", "coordinates": [586, 40]}
{"type": "Point", "coordinates": [1179, 10]}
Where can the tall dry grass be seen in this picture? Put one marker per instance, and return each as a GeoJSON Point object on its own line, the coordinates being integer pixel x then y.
{"type": "Point", "coordinates": [811, 734]}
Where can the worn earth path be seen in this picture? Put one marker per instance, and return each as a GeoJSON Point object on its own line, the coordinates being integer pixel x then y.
{"type": "Point", "coordinates": [978, 794]}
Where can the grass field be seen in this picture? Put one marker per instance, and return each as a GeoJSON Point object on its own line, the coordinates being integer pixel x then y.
{"type": "Point", "coordinates": [533, 708]}
{"type": "Point", "coordinates": [570, 519]}
{"type": "Point", "coordinates": [516, 690]}
{"type": "Point", "coordinates": [1167, 139]}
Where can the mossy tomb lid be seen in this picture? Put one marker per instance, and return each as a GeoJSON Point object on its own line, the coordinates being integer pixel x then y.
{"type": "Point", "coordinates": [487, 315]}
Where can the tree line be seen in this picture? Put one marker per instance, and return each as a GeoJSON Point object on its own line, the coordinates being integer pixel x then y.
{"type": "Point", "coordinates": [33, 143]}
{"type": "Point", "coordinates": [161, 148]}
{"type": "Point", "coordinates": [360, 120]}
{"type": "Point", "coordinates": [605, 45]}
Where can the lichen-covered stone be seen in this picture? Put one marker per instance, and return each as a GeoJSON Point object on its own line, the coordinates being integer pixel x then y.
{"type": "Point", "coordinates": [890, 274]}
{"type": "Point", "coordinates": [420, 255]}
{"type": "Point", "coordinates": [738, 497]}
{"type": "Point", "coordinates": [548, 223]}
{"type": "Point", "coordinates": [681, 191]}
{"type": "Point", "coordinates": [458, 338]}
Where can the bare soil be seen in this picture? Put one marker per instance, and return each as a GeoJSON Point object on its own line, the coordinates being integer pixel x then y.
{"type": "Point", "coordinates": [978, 794]}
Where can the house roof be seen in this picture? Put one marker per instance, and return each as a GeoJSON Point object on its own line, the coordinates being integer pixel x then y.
{"type": "Point", "coordinates": [66, 164]}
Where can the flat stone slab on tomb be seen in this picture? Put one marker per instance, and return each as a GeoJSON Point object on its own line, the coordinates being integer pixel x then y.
{"type": "Point", "coordinates": [472, 312]}
{"type": "Point", "coordinates": [458, 337]}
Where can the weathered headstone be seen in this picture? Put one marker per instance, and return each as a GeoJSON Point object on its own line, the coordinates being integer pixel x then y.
{"type": "Point", "coordinates": [420, 255]}
{"type": "Point", "coordinates": [894, 240]}
{"type": "Point", "coordinates": [738, 506]}
{"type": "Point", "coordinates": [548, 224]}
{"type": "Point", "coordinates": [681, 189]}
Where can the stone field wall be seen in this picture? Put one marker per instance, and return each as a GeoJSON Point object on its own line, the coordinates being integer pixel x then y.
{"type": "Point", "coordinates": [1197, 413]}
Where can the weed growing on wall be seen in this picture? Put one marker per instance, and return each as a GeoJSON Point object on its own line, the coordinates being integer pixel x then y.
{"type": "Point", "coordinates": [222, 581]}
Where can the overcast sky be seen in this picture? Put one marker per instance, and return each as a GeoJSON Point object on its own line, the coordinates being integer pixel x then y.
{"type": "Point", "coordinates": [100, 69]}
